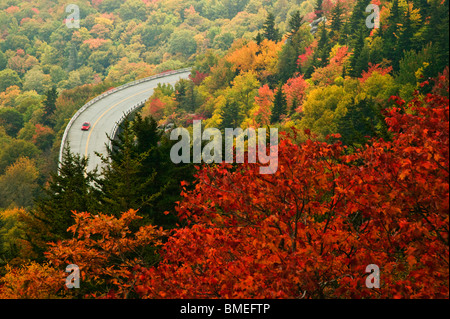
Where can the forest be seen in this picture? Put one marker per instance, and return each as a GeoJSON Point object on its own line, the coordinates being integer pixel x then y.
{"type": "Point", "coordinates": [362, 112]}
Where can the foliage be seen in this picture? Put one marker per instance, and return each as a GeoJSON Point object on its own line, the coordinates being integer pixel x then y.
{"type": "Point", "coordinates": [323, 218]}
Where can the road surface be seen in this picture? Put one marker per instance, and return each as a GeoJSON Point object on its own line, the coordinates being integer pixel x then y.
{"type": "Point", "coordinates": [104, 114]}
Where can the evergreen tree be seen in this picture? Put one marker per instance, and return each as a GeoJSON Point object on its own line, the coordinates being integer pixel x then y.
{"type": "Point", "coordinates": [323, 47]}
{"type": "Point", "coordinates": [186, 95]}
{"type": "Point", "coordinates": [71, 189]}
{"type": "Point", "coordinates": [139, 173]}
{"type": "Point", "coordinates": [318, 9]}
{"type": "Point", "coordinates": [356, 64]}
{"type": "Point", "coordinates": [437, 32]}
{"type": "Point", "coordinates": [287, 62]}
{"type": "Point", "coordinates": [123, 186]}
{"type": "Point", "coordinates": [279, 105]}
{"type": "Point", "coordinates": [336, 19]}
{"type": "Point", "coordinates": [344, 36]}
{"type": "Point", "coordinates": [50, 106]}
{"type": "Point", "coordinates": [392, 49]}
{"type": "Point", "coordinates": [361, 121]}
{"type": "Point", "coordinates": [231, 116]}
{"type": "Point", "coordinates": [3, 61]}
{"type": "Point", "coordinates": [357, 18]}
{"type": "Point", "coordinates": [407, 33]}
{"type": "Point", "coordinates": [295, 22]}
{"type": "Point", "coordinates": [259, 38]}
{"type": "Point", "coordinates": [270, 31]}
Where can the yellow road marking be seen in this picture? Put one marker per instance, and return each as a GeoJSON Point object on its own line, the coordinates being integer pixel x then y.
{"type": "Point", "coordinates": [93, 126]}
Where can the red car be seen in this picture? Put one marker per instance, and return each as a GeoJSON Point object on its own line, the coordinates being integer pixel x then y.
{"type": "Point", "coordinates": [86, 126]}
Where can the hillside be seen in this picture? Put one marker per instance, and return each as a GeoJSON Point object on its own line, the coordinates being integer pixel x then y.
{"type": "Point", "coordinates": [360, 104]}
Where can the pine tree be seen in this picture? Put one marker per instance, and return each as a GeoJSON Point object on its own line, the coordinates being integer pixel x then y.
{"type": "Point", "coordinates": [295, 22]}
{"type": "Point", "coordinates": [270, 31]}
{"type": "Point", "coordinates": [318, 9]}
{"type": "Point", "coordinates": [259, 38]}
{"type": "Point", "coordinates": [407, 33]}
{"type": "Point", "coordinates": [336, 19]}
{"type": "Point", "coordinates": [50, 106]}
{"type": "Point", "coordinates": [357, 19]}
{"type": "Point", "coordinates": [231, 116]}
{"type": "Point", "coordinates": [279, 105]}
{"type": "Point", "coordinates": [361, 121]}
{"type": "Point", "coordinates": [323, 47]}
{"type": "Point", "coordinates": [437, 32]}
{"type": "Point", "coordinates": [71, 189]}
{"type": "Point", "coordinates": [123, 184]}
{"type": "Point", "coordinates": [355, 59]}
{"type": "Point", "coordinates": [3, 61]}
{"type": "Point", "coordinates": [287, 62]}
{"type": "Point", "coordinates": [139, 173]}
{"type": "Point", "coordinates": [392, 49]}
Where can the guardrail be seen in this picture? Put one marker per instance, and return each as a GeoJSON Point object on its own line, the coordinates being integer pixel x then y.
{"type": "Point", "coordinates": [105, 94]}
{"type": "Point", "coordinates": [117, 124]}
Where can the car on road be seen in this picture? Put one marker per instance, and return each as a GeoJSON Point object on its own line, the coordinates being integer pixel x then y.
{"type": "Point", "coordinates": [85, 126]}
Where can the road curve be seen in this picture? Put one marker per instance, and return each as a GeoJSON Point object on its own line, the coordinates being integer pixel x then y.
{"type": "Point", "coordinates": [106, 111]}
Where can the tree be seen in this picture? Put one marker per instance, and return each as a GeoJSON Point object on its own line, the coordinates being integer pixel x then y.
{"type": "Point", "coordinates": [11, 120]}
{"type": "Point", "coordinates": [106, 249]}
{"type": "Point", "coordinates": [336, 19]}
{"type": "Point", "coordinates": [15, 149]}
{"type": "Point", "coordinates": [295, 90]}
{"type": "Point", "coordinates": [186, 95]}
{"type": "Point", "coordinates": [35, 79]}
{"type": "Point", "coordinates": [50, 106]}
{"type": "Point", "coordinates": [317, 219]}
{"type": "Point", "coordinates": [231, 116]}
{"type": "Point", "coordinates": [287, 62]}
{"type": "Point", "coordinates": [392, 48]}
{"type": "Point", "coordinates": [19, 184]}
{"type": "Point", "coordinates": [3, 61]}
{"type": "Point", "coordinates": [182, 41]}
{"type": "Point", "coordinates": [262, 111]}
{"type": "Point", "coordinates": [295, 22]}
{"type": "Point", "coordinates": [279, 105]}
{"type": "Point", "coordinates": [361, 122]}
{"type": "Point", "coordinates": [357, 19]}
{"type": "Point", "coordinates": [122, 185]}
{"type": "Point", "coordinates": [71, 189]}
{"type": "Point", "coordinates": [407, 32]}
{"type": "Point", "coordinates": [9, 78]}
{"type": "Point", "coordinates": [322, 109]}
{"type": "Point", "coordinates": [359, 59]}
{"type": "Point", "coordinates": [318, 9]}
{"type": "Point", "coordinates": [133, 9]}
{"type": "Point", "coordinates": [270, 31]}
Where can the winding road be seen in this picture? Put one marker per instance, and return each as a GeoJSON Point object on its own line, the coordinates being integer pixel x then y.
{"type": "Point", "coordinates": [106, 112]}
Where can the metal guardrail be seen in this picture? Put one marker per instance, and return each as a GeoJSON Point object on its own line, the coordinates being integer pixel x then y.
{"type": "Point", "coordinates": [117, 124]}
{"type": "Point", "coordinates": [105, 94]}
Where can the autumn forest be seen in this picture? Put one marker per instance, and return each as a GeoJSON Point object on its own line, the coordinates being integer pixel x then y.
{"type": "Point", "coordinates": [357, 89]}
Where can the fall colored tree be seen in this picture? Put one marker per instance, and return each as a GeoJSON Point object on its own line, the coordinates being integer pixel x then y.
{"type": "Point", "coordinates": [295, 90]}
{"type": "Point", "coordinates": [19, 184]}
{"type": "Point", "coordinates": [323, 218]}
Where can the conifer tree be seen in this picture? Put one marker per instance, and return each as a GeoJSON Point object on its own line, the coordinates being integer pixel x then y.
{"type": "Point", "coordinates": [356, 63]}
{"type": "Point", "coordinates": [50, 106]}
{"type": "Point", "coordinates": [231, 116]}
{"type": "Point", "coordinates": [270, 31]}
{"type": "Point", "coordinates": [323, 47]}
{"type": "Point", "coordinates": [295, 22]}
{"type": "Point", "coordinates": [279, 105]}
{"type": "Point", "coordinates": [318, 9]}
{"type": "Point", "coordinates": [71, 189]}
{"type": "Point", "coordinates": [123, 186]}
{"type": "Point", "coordinates": [336, 19]}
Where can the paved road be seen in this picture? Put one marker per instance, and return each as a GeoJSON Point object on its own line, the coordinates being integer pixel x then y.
{"type": "Point", "coordinates": [103, 115]}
